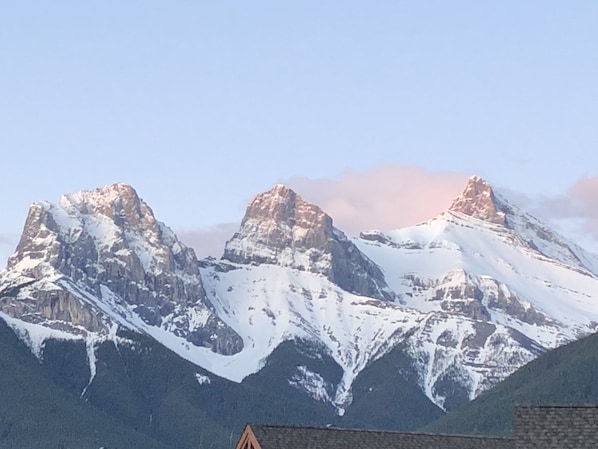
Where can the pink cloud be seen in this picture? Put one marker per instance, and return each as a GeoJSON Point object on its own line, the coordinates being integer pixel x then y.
{"type": "Point", "coordinates": [386, 197]}
{"type": "Point", "coordinates": [584, 193]}
{"type": "Point", "coordinates": [573, 213]}
{"type": "Point", "coordinates": [394, 196]}
{"type": "Point", "coordinates": [208, 241]}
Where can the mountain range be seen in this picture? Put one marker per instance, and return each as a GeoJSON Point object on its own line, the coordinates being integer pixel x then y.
{"type": "Point", "coordinates": [296, 321]}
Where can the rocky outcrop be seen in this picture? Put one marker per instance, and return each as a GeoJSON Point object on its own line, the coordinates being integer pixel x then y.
{"type": "Point", "coordinates": [478, 201]}
{"type": "Point", "coordinates": [58, 309]}
{"type": "Point", "coordinates": [281, 228]}
{"type": "Point", "coordinates": [461, 293]}
{"type": "Point", "coordinates": [105, 247]}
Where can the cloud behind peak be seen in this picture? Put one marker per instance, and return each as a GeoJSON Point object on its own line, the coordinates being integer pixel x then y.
{"type": "Point", "coordinates": [386, 197]}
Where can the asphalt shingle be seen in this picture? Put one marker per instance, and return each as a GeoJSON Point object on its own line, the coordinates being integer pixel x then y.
{"type": "Point", "coordinates": [556, 427]}
{"type": "Point", "coordinates": [289, 437]}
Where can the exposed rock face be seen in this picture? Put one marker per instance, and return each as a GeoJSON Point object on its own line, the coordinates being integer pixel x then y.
{"type": "Point", "coordinates": [58, 309]}
{"type": "Point", "coordinates": [99, 256]}
{"type": "Point", "coordinates": [475, 297]}
{"type": "Point", "coordinates": [281, 228]}
{"type": "Point", "coordinates": [478, 201]}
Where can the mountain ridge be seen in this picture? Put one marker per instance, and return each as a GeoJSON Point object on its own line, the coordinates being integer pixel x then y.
{"type": "Point", "coordinates": [470, 295]}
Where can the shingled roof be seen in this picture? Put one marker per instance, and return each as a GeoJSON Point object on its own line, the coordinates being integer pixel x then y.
{"type": "Point", "coordinates": [557, 427]}
{"type": "Point", "coordinates": [259, 436]}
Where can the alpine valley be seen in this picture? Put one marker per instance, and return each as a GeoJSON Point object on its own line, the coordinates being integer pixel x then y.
{"type": "Point", "coordinates": [104, 313]}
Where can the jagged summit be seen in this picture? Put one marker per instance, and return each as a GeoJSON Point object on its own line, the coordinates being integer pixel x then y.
{"type": "Point", "coordinates": [281, 228]}
{"type": "Point", "coordinates": [479, 201]}
{"type": "Point", "coordinates": [108, 193]}
{"type": "Point", "coordinates": [278, 220]}
{"type": "Point", "coordinates": [119, 202]}
{"type": "Point", "coordinates": [114, 218]}
{"type": "Point", "coordinates": [100, 258]}
{"type": "Point", "coordinates": [282, 206]}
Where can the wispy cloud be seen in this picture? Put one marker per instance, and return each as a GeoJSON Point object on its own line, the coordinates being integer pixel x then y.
{"type": "Point", "coordinates": [8, 243]}
{"type": "Point", "coordinates": [394, 196]}
{"type": "Point", "coordinates": [208, 241]}
{"type": "Point", "coordinates": [385, 197]}
{"type": "Point", "coordinates": [585, 193]}
{"type": "Point", "coordinates": [580, 206]}
{"type": "Point", "coordinates": [6, 239]}
{"type": "Point", "coordinates": [573, 213]}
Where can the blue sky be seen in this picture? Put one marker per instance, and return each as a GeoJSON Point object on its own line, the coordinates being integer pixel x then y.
{"type": "Point", "coordinates": [200, 105]}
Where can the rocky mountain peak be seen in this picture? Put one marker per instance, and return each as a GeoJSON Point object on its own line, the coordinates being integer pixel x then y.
{"type": "Point", "coordinates": [280, 218]}
{"type": "Point", "coordinates": [281, 207]}
{"type": "Point", "coordinates": [103, 249]}
{"type": "Point", "coordinates": [479, 201]}
{"type": "Point", "coordinates": [281, 228]}
{"type": "Point", "coordinates": [279, 225]}
{"type": "Point", "coordinates": [119, 202]}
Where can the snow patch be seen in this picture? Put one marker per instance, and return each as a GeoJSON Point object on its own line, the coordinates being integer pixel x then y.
{"type": "Point", "coordinates": [35, 335]}
{"type": "Point", "coordinates": [312, 383]}
{"type": "Point", "coordinates": [202, 379]}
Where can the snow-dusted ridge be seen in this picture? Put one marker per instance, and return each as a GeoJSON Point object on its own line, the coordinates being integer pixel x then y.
{"type": "Point", "coordinates": [486, 259]}
{"type": "Point", "coordinates": [99, 259]}
{"type": "Point", "coordinates": [469, 296]}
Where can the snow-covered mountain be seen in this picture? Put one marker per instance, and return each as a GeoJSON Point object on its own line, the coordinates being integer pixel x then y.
{"type": "Point", "coordinates": [520, 283]}
{"type": "Point", "coordinates": [468, 296]}
{"type": "Point", "coordinates": [98, 260]}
